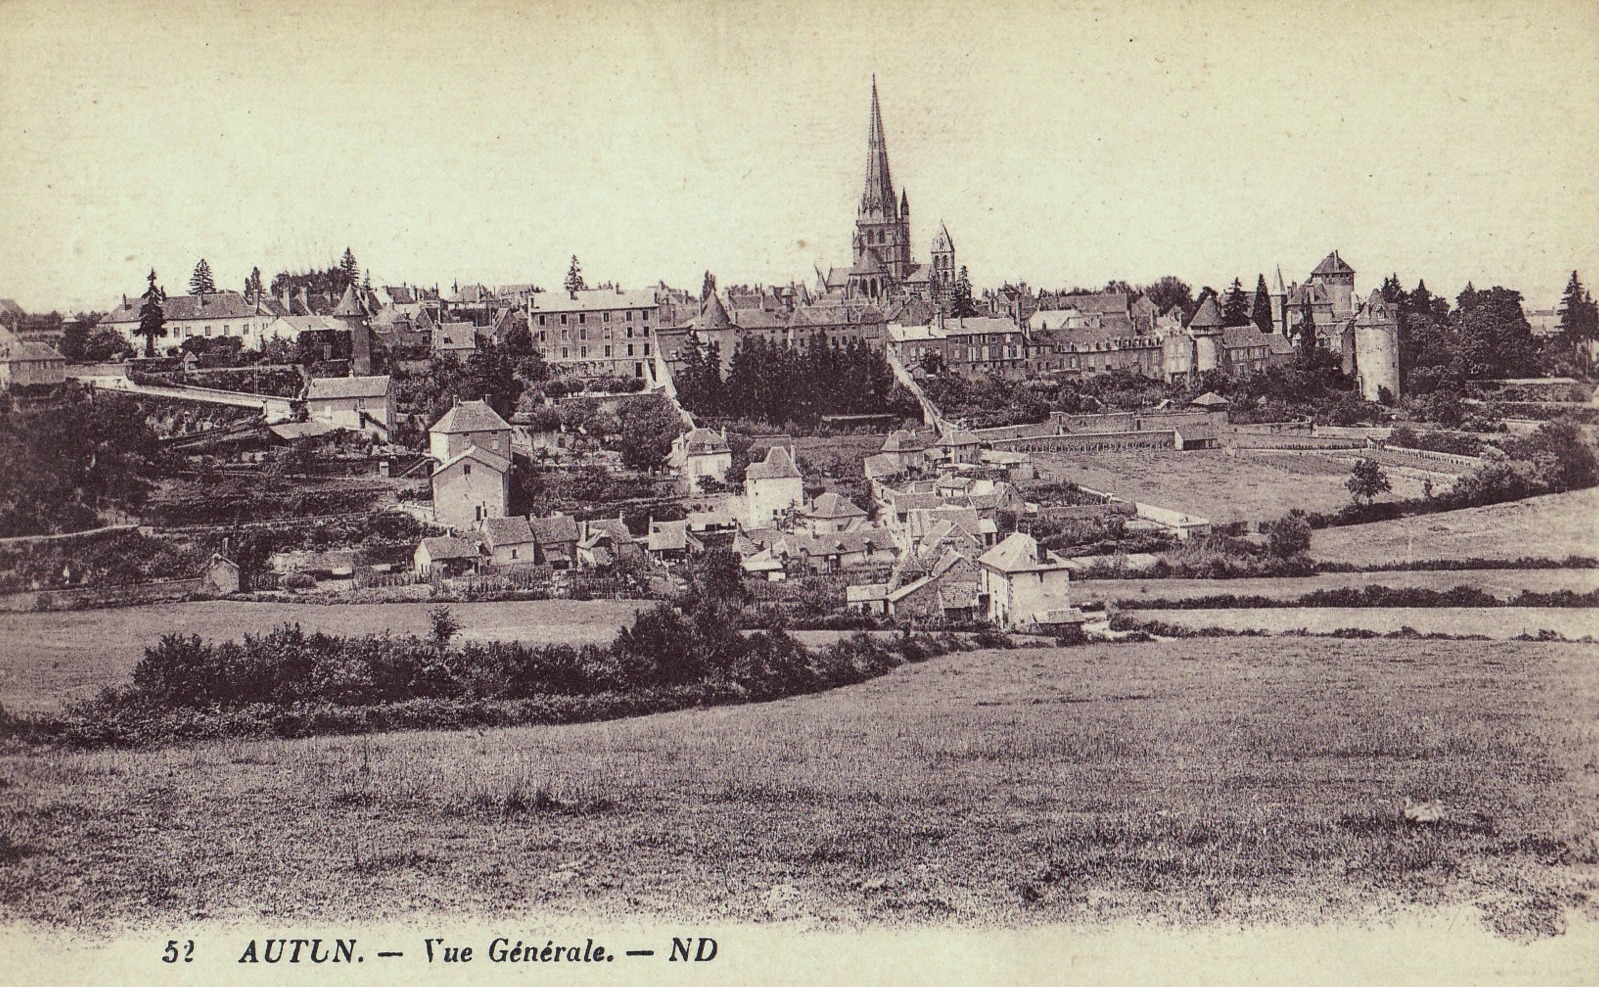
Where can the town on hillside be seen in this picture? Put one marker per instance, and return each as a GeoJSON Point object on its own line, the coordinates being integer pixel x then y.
{"type": "Point", "coordinates": [883, 442]}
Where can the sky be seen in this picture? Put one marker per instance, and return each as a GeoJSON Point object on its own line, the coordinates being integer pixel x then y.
{"type": "Point", "coordinates": [1063, 145]}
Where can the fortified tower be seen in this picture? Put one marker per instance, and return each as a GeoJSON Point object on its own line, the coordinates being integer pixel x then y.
{"type": "Point", "coordinates": [1377, 349]}
{"type": "Point", "coordinates": [1339, 280]}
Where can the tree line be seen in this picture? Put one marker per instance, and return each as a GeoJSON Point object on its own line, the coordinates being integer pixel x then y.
{"type": "Point", "coordinates": [782, 383]}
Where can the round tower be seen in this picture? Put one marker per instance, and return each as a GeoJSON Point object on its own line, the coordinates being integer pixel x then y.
{"type": "Point", "coordinates": [1377, 349]}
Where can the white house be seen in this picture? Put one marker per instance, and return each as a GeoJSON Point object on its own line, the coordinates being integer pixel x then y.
{"type": "Point", "coordinates": [772, 487]}
{"type": "Point", "coordinates": [357, 403]}
{"type": "Point", "coordinates": [471, 487]}
{"type": "Point", "coordinates": [469, 423]}
{"type": "Point", "coordinates": [1024, 585]}
{"type": "Point", "coordinates": [701, 452]}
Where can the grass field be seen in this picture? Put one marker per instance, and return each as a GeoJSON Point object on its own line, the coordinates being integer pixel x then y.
{"type": "Point", "coordinates": [1500, 623]}
{"type": "Point", "coordinates": [1213, 484]}
{"type": "Point", "coordinates": [1503, 583]}
{"type": "Point", "coordinates": [1549, 527]}
{"type": "Point", "coordinates": [1209, 782]}
{"type": "Point", "coordinates": [49, 657]}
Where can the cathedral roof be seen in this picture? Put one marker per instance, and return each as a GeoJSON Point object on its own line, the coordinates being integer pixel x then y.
{"type": "Point", "coordinates": [943, 242]}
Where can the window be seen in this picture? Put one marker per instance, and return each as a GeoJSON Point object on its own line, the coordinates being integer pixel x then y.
{"type": "Point", "coordinates": [513, 555]}
{"type": "Point", "coordinates": [629, 349]}
{"type": "Point", "coordinates": [646, 330]}
{"type": "Point", "coordinates": [607, 350]}
{"type": "Point", "coordinates": [582, 319]}
{"type": "Point", "coordinates": [478, 511]}
{"type": "Point", "coordinates": [629, 332]}
{"type": "Point", "coordinates": [582, 352]}
{"type": "Point", "coordinates": [541, 335]}
{"type": "Point", "coordinates": [563, 320]}
{"type": "Point", "coordinates": [646, 349]}
{"type": "Point", "coordinates": [606, 317]}
{"type": "Point", "coordinates": [541, 320]}
{"type": "Point", "coordinates": [582, 333]}
{"type": "Point", "coordinates": [645, 315]}
{"type": "Point", "coordinates": [466, 470]}
{"type": "Point", "coordinates": [563, 352]}
{"type": "Point", "coordinates": [208, 330]}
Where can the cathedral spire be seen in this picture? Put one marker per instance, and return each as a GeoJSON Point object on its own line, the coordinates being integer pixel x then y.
{"type": "Point", "coordinates": [878, 196]}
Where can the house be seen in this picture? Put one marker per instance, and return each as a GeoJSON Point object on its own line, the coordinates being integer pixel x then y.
{"type": "Point", "coordinates": [362, 404]}
{"type": "Point", "coordinates": [772, 487]}
{"type": "Point", "coordinates": [29, 366]}
{"type": "Point", "coordinates": [908, 449]}
{"type": "Point", "coordinates": [672, 541]}
{"type": "Point", "coordinates": [862, 546]}
{"type": "Point", "coordinates": [471, 486]}
{"type": "Point", "coordinates": [557, 538]}
{"type": "Point", "coordinates": [221, 576]}
{"type": "Point", "coordinates": [961, 446]}
{"type": "Point", "coordinates": [604, 542]}
{"type": "Point", "coordinates": [946, 592]}
{"type": "Point", "coordinates": [444, 556]}
{"type": "Point", "coordinates": [701, 452]}
{"type": "Point", "coordinates": [870, 598]}
{"type": "Point", "coordinates": [469, 423]}
{"type": "Point", "coordinates": [1022, 583]}
{"type": "Point", "coordinates": [211, 315]}
{"type": "Point", "coordinates": [509, 540]}
{"type": "Point", "coordinates": [456, 338]}
{"type": "Point", "coordinates": [832, 513]}
{"type": "Point", "coordinates": [883, 467]}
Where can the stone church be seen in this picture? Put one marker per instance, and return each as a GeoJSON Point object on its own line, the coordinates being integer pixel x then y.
{"type": "Point", "coordinates": [882, 268]}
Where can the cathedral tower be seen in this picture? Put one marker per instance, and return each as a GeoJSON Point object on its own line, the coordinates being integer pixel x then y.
{"type": "Point", "coordinates": [881, 250]}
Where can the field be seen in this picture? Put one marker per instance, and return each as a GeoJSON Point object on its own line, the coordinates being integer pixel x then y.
{"type": "Point", "coordinates": [1551, 527]}
{"type": "Point", "coordinates": [1499, 623]}
{"type": "Point", "coordinates": [1206, 782]}
{"type": "Point", "coordinates": [1503, 583]}
{"type": "Point", "coordinates": [50, 657]}
{"type": "Point", "coordinates": [1218, 486]}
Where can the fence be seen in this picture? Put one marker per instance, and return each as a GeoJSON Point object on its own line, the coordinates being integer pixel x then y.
{"type": "Point", "coordinates": [99, 596]}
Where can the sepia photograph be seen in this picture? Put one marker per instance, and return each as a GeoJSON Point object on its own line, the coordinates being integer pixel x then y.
{"type": "Point", "coordinates": [799, 493]}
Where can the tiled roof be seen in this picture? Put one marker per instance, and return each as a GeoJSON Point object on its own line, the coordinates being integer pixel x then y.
{"type": "Point", "coordinates": [592, 300]}
{"type": "Point", "coordinates": [1332, 264]}
{"type": "Point", "coordinates": [1208, 316]}
{"type": "Point", "coordinates": [704, 442]}
{"type": "Point", "coordinates": [1019, 553]}
{"type": "Point", "coordinates": [325, 388]}
{"type": "Point", "coordinates": [504, 531]}
{"type": "Point", "coordinates": [180, 308]}
{"type": "Point", "coordinates": [776, 466]}
{"type": "Point", "coordinates": [446, 547]}
{"type": "Point", "coordinates": [497, 463]}
{"type": "Point", "coordinates": [713, 316]}
{"type": "Point", "coordinates": [554, 530]}
{"type": "Point", "coordinates": [832, 507]}
{"type": "Point", "coordinates": [668, 536]}
{"type": "Point", "coordinates": [470, 416]}
{"type": "Point", "coordinates": [903, 440]}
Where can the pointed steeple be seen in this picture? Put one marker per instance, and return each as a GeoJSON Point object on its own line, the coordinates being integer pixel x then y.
{"type": "Point", "coordinates": [878, 196]}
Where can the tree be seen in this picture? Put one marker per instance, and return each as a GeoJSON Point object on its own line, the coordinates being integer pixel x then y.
{"type": "Point", "coordinates": [1169, 292]}
{"type": "Point", "coordinates": [442, 626]}
{"type": "Point", "coordinates": [349, 271]}
{"type": "Point", "coordinates": [1235, 307]}
{"type": "Point", "coordinates": [648, 428]}
{"type": "Point", "coordinates": [1495, 337]}
{"type": "Point", "coordinates": [574, 277]}
{"type": "Point", "coordinates": [201, 282]}
{"type": "Point", "coordinates": [152, 316]}
{"type": "Point", "coordinates": [1290, 535]}
{"type": "Point", "coordinates": [253, 287]}
{"type": "Point", "coordinates": [1307, 335]}
{"type": "Point", "coordinates": [1579, 316]}
{"type": "Point", "coordinates": [1260, 313]}
{"type": "Point", "coordinates": [961, 304]}
{"type": "Point", "coordinates": [1367, 480]}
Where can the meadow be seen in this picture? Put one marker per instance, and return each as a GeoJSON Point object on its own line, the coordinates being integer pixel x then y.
{"type": "Point", "coordinates": [1502, 583]}
{"type": "Point", "coordinates": [1216, 485]}
{"type": "Point", "coordinates": [51, 657]}
{"type": "Point", "coordinates": [1206, 782]}
{"type": "Point", "coordinates": [1553, 526]}
{"type": "Point", "coordinates": [1498, 623]}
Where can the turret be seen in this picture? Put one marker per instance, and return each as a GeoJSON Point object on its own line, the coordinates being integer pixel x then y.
{"type": "Point", "coordinates": [1376, 349]}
